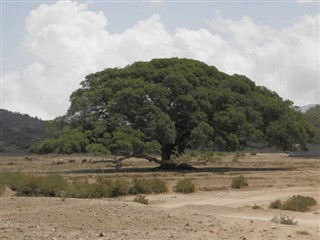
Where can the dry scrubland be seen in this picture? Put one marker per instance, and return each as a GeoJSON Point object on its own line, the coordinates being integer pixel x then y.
{"type": "Point", "coordinates": [214, 211]}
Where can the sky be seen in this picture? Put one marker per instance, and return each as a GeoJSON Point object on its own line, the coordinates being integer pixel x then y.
{"type": "Point", "coordinates": [48, 47]}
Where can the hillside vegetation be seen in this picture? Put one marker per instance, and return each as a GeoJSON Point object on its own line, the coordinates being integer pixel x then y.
{"type": "Point", "coordinates": [19, 131]}
{"type": "Point", "coordinates": [312, 115]}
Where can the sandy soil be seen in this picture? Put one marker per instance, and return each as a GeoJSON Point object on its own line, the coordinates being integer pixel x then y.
{"type": "Point", "coordinates": [214, 211]}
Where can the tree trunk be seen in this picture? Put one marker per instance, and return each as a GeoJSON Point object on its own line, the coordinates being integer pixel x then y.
{"type": "Point", "coordinates": [166, 152]}
{"type": "Point", "coordinates": [166, 164]}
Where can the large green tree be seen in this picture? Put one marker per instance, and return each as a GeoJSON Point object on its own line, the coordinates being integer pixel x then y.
{"type": "Point", "coordinates": [168, 105]}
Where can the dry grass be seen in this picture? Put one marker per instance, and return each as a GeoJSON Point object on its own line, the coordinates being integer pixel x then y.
{"type": "Point", "coordinates": [263, 170]}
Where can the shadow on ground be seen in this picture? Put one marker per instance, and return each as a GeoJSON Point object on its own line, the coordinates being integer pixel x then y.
{"type": "Point", "coordinates": [193, 170]}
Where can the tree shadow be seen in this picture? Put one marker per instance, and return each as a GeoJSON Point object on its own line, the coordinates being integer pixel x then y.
{"type": "Point", "coordinates": [178, 170]}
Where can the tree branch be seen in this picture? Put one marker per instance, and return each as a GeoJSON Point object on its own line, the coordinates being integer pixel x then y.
{"type": "Point", "coordinates": [118, 160]}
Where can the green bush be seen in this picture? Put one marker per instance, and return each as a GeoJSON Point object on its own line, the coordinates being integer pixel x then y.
{"type": "Point", "coordinates": [141, 186]}
{"type": "Point", "coordinates": [12, 179]}
{"type": "Point", "coordinates": [159, 185]}
{"type": "Point", "coordinates": [239, 182]}
{"type": "Point", "coordinates": [141, 199]}
{"type": "Point", "coordinates": [119, 187]}
{"type": "Point", "coordinates": [25, 185]}
{"type": "Point", "coordinates": [276, 204]}
{"type": "Point", "coordinates": [83, 189]}
{"type": "Point", "coordinates": [103, 188]}
{"type": "Point", "coordinates": [185, 185]}
{"type": "Point", "coordinates": [52, 186]}
{"type": "Point", "coordinates": [148, 186]}
{"type": "Point", "coordinates": [298, 203]}
{"type": "Point", "coordinates": [57, 186]}
{"type": "Point", "coordinates": [30, 186]}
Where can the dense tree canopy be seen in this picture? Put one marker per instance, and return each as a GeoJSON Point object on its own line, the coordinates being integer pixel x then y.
{"type": "Point", "coordinates": [170, 105]}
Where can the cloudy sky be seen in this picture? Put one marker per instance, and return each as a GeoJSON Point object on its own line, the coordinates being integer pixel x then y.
{"type": "Point", "coordinates": [48, 47]}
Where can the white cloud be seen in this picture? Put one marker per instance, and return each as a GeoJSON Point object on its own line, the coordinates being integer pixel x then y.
{"type": "Point", "coordinates": [304, 1]}
{"type": "Point", "coordinates": [68, 42]}
{"type": "Point", "coordinates": [286, 61]}
{"type": "Point", "coordinates": [157, 2]}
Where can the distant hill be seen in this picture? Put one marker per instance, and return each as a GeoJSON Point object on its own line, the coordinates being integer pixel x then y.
{"type": "Point", "coordinates": [307, 107]}
{"type": "Point", "coordinates": [19, 131]}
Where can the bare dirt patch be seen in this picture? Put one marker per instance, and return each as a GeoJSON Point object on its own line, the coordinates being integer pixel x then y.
{"type": "Point", "coordinates": [214, 211]}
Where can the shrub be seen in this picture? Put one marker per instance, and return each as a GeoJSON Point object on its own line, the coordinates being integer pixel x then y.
{"type": "Point", "coordinates": [24, 185]}
{"type": "Point", "coordinates": [255, 206]}
{"type": "Point", "coordinates": [119, 187]}
{"type": "Point", "coordinates": [239, 182]}
{"type": "Point", "coordinates": [141, 186]}
{"type": "Point", "coordinates": [159, 185]}
{"type": "Point", "coordinates": [298, 203]}
{"type": "Point", "coordinates": [52, 186]}
{"type": "Point", "coordinates": [104, 188]}
{"type": "Point", "coordinates": [294, 203]}
{"type": "Point", "coordinates": [30, 186]}
{"type": "Point", "coordinates": [284, 220]}
{"type": "Point", "coordinates": [185, 185]}
{"type": "Point", "coordinates": [11, 179]}
{"type": "Point", "coordinates": [141, 199]}
{"type": "Point", "coordinates": [56, 186]}
{"type": "Point", "coordinates": [275, 204]}
{"type": "Point", "coordinates": [148, 186]}
{"type": "Point", "coordinates": [83, 189]}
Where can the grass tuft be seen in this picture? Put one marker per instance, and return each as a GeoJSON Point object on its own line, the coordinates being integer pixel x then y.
{"type": "Point", "coordinates": [239, 182]}
{"type": "Point", "coordinates": [185, 185]}
{"type": "Point", "coordinates": [141, 199]}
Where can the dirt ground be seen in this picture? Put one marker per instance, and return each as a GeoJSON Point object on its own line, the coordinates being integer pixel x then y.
{"type": "Point", "coordinates": [214, 211]}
